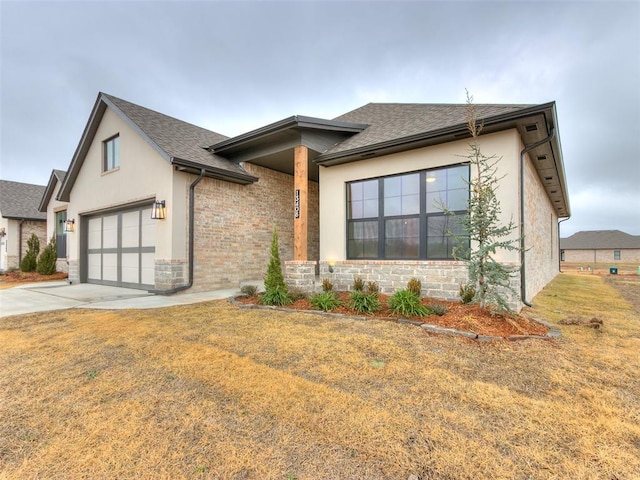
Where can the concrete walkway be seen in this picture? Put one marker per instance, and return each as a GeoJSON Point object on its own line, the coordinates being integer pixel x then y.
{"type": "Point", "coordinates": [58, 295]}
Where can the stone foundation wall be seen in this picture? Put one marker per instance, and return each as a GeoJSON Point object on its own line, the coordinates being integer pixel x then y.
{"type": "Point", "coordinates": [440, 280]}
{"type": "Point", "coordinates": [170, 273]}
{"type": "Point", "coordinates": [74, 271]}
{"type": "Point", "coordinates": [62, 265]}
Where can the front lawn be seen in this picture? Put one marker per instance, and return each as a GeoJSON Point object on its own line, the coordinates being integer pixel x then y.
{"type": "Point", "coordinates": [215, 391]}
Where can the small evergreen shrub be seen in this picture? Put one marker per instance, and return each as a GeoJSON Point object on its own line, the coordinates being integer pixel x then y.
{"type": "Point", "coordinates": [407, 304]}
{"type": "Point", "coordinates": [372, 287]}
{"type": "Point", "coordinates": [275, 296]}
{"type": "Point", "coordinates": [30, 260]}
{"type": "Point", "coordinates": [358, 284]}
{"type": "Point", "coordinates": [327, 286]}
{"type": "Point", "coordinates": [467, 293]}
{"type": "Point", "coordinates": [364, 302]}
{"type": "Point", "coordinates": [414, 286]}
{"type": "Point", "coordinates": [297, 294]}
{"type": "Point", "coordinates": [438, 308]}
{"type": "Point", "coordinates": [275, 290]}
{"type": "Point", "coordinates": [325, 301]}
{"type": "Point", "coordinates": [47, 261]}
{"type": "Point", "coordinates": [249, 290]}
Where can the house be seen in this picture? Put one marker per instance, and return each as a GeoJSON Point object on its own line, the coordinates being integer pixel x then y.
{"type": "Point", "coordinates": [56, 213]}
{"type": "Point", "coordinates": [160, 204]}
{"type": "Point", "coordinates": [600, 246]}
{"type": "Point", "coordinates": [19, 219]}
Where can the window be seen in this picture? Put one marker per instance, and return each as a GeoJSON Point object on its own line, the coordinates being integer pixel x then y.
{"type": "Point", "coordinates": [111, 153]}
{"type": "Point", "coordinates": [562, 255]}
{"type": "Point", "coordinates": [616, 254]}
{"type": "Point", "coordinates": [402, 216]}
{"type": "Point", "coordinates": [61, 238]}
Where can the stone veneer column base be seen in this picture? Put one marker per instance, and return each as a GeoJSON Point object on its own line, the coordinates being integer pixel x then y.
{"type": "Point", "coordinates": [170, 273]}
{"type": "Point", "coordinates": [74, 271]}
{"type": "Point", "coordinates": [62, 265]}
{"type": "Point", "coordinates": [300, 274]}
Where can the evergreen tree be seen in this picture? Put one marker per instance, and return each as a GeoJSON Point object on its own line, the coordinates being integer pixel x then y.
{"type": "Point", "coordinates": [29, 262]}
{"type": "Point", "coordinates": [489, 278]}
{"type": "Point", "coordinates": [276, 291]}
{"type": "Point", "coordinates": [47, 261]}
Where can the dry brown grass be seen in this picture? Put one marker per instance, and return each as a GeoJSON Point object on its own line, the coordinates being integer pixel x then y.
{"type": "Point", "coordinates": [213, 391]}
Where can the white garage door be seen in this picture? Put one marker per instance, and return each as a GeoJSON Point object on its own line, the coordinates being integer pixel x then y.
{"type": "Point", "coordinates": [121, 249]}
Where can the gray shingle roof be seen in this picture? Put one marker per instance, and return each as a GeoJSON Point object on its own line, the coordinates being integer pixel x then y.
{"type": "Point", "coordinates": [600, 239]}
{"type": "Point", "coordinates": [176, 138]}
{"type": "Point", "coordinates": [390, 121]}
{"type": "Point", "coordinates": [21, 200]}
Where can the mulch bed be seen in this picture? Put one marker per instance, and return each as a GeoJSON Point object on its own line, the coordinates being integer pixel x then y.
{"type": "Point", "coordinates": [467, 318]}
{"type": "Point", "coordinates": [18, 277]}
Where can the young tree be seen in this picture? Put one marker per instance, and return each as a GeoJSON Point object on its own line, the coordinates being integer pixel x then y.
{"type": "Point", "coordinates": [489, 278]}
{"type": "Point", "coordinates": [30, 260]}
{"type": "Point", "coordinates": [275, 289]}
{"type": "Point", "coordinates": [47, 261]}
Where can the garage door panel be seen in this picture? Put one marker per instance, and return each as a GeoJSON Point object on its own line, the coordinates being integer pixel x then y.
{"type": "Point", "coordinates": [110, 231]}
{"type": "Point", "coordinates": [130, 229]}
{"type": "Point", "coordinates": [121, 248]}
{"type": "Point", "coordinates": [148, 271]}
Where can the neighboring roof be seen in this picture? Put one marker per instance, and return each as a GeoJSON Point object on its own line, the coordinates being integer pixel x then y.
{"type": "Point", "coordinates": [600, 239]}
{"type": "Point", "coordinates": [56, 176]}
{"type": "Point", "coordinates": [20, 200]}
{"type": "Point", "coordinates": [178, 142]}
{"type": "Point", "coordinates": [393, 121]}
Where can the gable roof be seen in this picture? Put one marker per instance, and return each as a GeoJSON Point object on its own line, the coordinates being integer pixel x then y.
{"type": "Point", "coordinates": [178, 142]}
{"type": "Point", "coordinates": [394, 121]}
{"type": "Point", "coordinates": [600, 239]}
{"type": "Point", "coordinates": [56, 176]}
{"type": "Point", "coordinates": [20, 200]}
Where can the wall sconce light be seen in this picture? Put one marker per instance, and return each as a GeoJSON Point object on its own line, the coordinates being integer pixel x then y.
{"type": "Point", "coordinates": [159, 210]}
{"type": "Point", "coordinates": [2, 232]}
{"type": "Point", "coordinates": [331, 264]}
{"type": "Point", "coordinates": [70, 226]}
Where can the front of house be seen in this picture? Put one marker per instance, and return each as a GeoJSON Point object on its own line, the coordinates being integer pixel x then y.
{"type": "Point", "coordinates": [359, 195]}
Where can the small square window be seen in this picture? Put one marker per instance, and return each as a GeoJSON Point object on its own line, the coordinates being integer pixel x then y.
{"type": "Point", "coordinates": [111, 153]}
{"type": "Point", "coordinates": [616, 254]}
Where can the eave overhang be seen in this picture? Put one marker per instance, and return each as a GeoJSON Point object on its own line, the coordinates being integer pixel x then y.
{"type": "Point", "coordinates": [183, 165]}
{"type": "Point", "coordinates": [533, 124]}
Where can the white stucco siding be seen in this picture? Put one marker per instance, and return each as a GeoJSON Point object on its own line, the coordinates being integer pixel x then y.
{"type": "Point", "coordinates": [143, 174]}
{"type": "Point", "coordinates": [504, 145]}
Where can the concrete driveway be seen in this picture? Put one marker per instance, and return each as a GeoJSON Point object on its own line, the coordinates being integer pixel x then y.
{"type": "Point", "coordinates": [45, 296]}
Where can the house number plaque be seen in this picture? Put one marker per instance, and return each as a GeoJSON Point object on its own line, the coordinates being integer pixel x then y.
{"type": "Point", "coordinates": [297, 203]}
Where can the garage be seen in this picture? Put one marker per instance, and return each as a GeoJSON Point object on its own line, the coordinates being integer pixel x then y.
{"type": "Point", "coordinates": [120, 248]}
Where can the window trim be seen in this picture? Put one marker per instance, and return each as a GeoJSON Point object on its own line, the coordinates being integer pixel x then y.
{"type": "Point", "coordinates": [381, 219]}
{"type": "Point", "coordinates": [105, 156]}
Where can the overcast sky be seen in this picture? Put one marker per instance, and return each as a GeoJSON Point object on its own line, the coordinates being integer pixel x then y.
{"type": "Point", "coordinates": [234, 66]}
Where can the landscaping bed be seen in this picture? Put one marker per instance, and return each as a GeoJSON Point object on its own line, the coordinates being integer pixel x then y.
{"type": "Point", "coordinates": [11, 279]}
{"type": "Point", "coordinates": [461, 317]}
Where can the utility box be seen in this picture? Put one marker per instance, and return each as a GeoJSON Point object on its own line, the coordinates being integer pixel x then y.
{"type": "Point", "coordinates": [613, 270]}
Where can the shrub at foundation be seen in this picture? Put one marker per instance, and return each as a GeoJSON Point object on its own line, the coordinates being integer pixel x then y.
{"type": "Point", "coordinates": [47, 261]}
{"type": "Point", "coordinates": [275, 290]}
{"type": "Point", "coordinates": [29, 262]}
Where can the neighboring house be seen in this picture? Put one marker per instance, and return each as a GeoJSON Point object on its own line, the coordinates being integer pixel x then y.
{"type": "Point", "coordinates": [56, 212]}
{"type": "Point", "coordinates": [600, 246]}
{"type": "Point", "coordinates": [358, 195]}
{"type": "Point", "coordinates": [19, 219]}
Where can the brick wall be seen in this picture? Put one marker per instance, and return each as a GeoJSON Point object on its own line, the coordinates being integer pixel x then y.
{"type": "Point", "coordinates": [28, 228]}
{"type": "Point", "coordinates": [601, 256]}
{"type": "Point", "coordinates": [541, 234]}
{"type": "Point", "coordinates": [234, 225]}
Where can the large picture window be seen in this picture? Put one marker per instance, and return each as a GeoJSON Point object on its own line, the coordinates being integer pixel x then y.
{"type": "Point", "coordinates": [403, 216]}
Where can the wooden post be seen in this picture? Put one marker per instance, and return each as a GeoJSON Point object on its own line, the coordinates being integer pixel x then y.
{"type": "Point", "coordinates": [301, 190]}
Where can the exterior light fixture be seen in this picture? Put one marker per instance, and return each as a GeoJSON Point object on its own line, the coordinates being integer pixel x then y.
{"type": "Point", "coordinates": [331, 264]}
{"type": "Point", "coordinates": [159, 210]}
{"type": "Point", "coordinates": [70, 226]}
{"type": "Point", "coordinates": [3, 232]}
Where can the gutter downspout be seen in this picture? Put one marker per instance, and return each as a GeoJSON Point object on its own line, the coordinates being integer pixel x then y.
{"type": "Point", "coordinates": [192, 191]}
{"type": "Point", "coordinates": [559, 249]}
{"type": "Point", "coordinates": [528, 148]}
{"type": "Point", "coordinates": [20, 243]}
